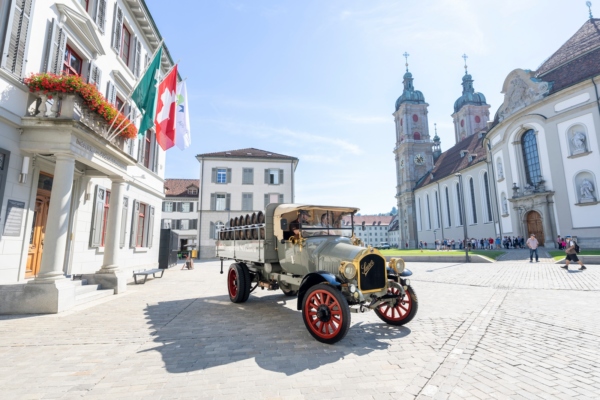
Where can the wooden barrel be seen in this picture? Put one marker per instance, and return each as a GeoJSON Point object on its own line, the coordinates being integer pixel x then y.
{"type": "Point", "coordinates": [262, 233]}
{"type": "Point", "coordinates": [243, 234]}
{"type": "Point", "coordinates": [253, 218]}
{"type": "Point", "coordinates": [248, 219]}
{"type": "Point", "coordinates": [235, 222]}
{"type": "Point", "coordinates": [229, 234]}
{"type": "Point", "coordinates": [254, 233]}
{"type": "Point", "coordinates": [260, 218]}
{"type": "Point", "coordinates": [241, 220]}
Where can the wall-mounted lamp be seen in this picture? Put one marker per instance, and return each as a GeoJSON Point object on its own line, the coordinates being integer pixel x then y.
{"type": "Point", "coordinates": [24, 170]}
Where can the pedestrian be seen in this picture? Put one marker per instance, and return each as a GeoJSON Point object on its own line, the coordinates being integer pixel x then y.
{"type": "Point", "coordinates": [498, 242]}
{"type": "Point", "coordinates": [559, 242]}
{"type": "Point", "coordinates": [572, 254]}
{"type": "Point", "coordinates": [421, 246]}
{"type": "Point", "coordinates": [533, 244]}
{"type": "Point", "coordinates": [437, 245]}
{"type": "Point", "coordinates": [425, 244]}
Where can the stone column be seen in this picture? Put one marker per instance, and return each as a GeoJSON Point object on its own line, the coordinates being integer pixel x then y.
{"type": "Point", "coordinates": [112, 236]}
{"type": "Point", "coordinates": [57, 224]}
{"type": "Point", "coordinates": [110, 276]}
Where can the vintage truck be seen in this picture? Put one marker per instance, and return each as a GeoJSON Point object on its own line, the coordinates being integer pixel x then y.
{"type": "Point", "coordinates": [313, 253]}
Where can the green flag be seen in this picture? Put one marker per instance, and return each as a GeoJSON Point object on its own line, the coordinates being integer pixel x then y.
{"type": "Point", "coordinates": [144, 95]}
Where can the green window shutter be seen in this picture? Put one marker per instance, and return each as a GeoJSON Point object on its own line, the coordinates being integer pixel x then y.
{"type": "Point", "coordinates": [97, 217]}
{"type": "Point", "coordinates": [228, 175]}
{"type": "Point", "coordinates": [100, 17]}
{"type": "Point", "coordinates": [191, 206]}
{"type": "Point", "coordinates": [228, 201]}
{"type": "Point", "coordinates": [134, 223]}
{"type": "Point", "coordinates": [117, 28]}
{"type": "Point", "coordinates": [213, 176]}
{"type": "Point", "coordinates": [266, 176]}
{"type": "Point", "coordinates": [124, 212]}
{"type": "Point", "coordinates": [213, 201]}
{"type": "Point", "coordinates": [194, 224]}
{"type": "Point", "coordinates": [266, 200]}
{"type": "Point", "coordinates": [281, 177]}
{"type": "Point", "coordinates": [212, 231]}
{"type": "Point", "coordinates": [57, 48]}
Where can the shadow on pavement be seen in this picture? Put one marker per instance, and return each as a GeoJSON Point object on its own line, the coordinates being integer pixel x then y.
{"type": "Point", "coordinates": [197, 334]}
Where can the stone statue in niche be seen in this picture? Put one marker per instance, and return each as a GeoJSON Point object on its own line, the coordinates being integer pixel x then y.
{"type": "Point", "coordinates": [579, 142]}
{"type": "Point", "coordinates": [500, 171]}
{"type": "Point", "coordinates": [504, 206]}
{"type": "Point", "coordinates": [586, 189]}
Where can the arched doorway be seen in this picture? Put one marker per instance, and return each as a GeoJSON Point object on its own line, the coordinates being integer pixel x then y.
{"type": "Point", "coordinates": [535, 226]}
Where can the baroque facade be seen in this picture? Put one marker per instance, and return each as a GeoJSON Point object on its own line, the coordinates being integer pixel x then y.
{"type": "Point", "coordinates": [530, 170]}
{"type": "Point", "coordinates": [74, 201]}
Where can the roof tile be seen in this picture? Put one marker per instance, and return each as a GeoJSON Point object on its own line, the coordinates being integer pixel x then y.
{"type": "Point", "coordinates": [179, 187]}
{"type": "Point", "coordinates": [248, 153]}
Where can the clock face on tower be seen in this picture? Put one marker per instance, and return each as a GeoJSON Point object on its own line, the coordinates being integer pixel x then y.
{"type": "Point", "coordinates": [419, 159]}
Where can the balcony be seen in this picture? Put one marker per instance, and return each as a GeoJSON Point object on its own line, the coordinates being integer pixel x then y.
{"type": "Point", "coordinates": [63, 106]}
{"type": "Point", "coordinates": [529, 190]}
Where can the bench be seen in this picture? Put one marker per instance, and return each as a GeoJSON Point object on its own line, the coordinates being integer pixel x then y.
{"type": "Point", "coordinates": [152, 272]}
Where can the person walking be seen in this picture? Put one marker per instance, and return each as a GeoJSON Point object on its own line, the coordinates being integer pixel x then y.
{"type": "Point", "coordinates": [421, 246]}
{"type": "Point", "coordinates": [572, 254]}
{"type": "Point", "coordinates": [533, 244]}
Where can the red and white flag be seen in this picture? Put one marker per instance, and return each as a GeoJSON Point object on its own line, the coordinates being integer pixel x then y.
{"type": "Point", "coordinates": [166, 110]}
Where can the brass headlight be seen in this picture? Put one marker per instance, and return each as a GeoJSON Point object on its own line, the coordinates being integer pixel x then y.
{"type": "Point", "coordinates": [397, 264]}
{"type": "Point", "coordinates": [348, 270]}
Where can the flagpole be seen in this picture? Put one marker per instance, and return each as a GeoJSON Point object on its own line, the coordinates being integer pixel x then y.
{"type": "Point", "coordinates": [146, 68]}
{"type": "Point", "coordinates": [169, 71]}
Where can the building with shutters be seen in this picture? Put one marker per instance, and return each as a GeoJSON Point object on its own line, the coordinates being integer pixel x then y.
{"type": "Point", "coordinates": [73, 200]}
{"type": "Point", "coordinates": [375, 230]}
{"type": "Point", "coordinates": [239, 182]}
{"type": "Point", "coordinates": [180, 210]}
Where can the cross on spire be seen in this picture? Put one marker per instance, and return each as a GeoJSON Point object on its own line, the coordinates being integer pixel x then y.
{"type": "Point", "coordinates": [435, 127]}
{"type": "Point", "coordinates": [464, 56]}
{"type": "Point", "coordinates": [406, 57]}
{"type": "Point", "coordinates": [589, 4]}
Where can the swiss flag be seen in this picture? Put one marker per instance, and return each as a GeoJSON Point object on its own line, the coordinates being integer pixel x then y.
{"type": "Point", "coordinates": [166, 110]}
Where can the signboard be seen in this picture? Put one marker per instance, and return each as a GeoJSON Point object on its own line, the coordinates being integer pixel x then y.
{"type": "Point", "coordinates": [14, 217]}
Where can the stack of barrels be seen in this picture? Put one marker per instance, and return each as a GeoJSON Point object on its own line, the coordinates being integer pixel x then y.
{"type": "Point", "coordinates": [248, 227]}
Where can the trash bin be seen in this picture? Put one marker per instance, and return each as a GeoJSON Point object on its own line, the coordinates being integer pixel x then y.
{"type": "Point", "coordinates": [194, 253]}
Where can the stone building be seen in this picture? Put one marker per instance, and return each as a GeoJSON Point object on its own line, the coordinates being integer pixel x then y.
{"type": "Point", "coordinates": [376, 228]}
{"type": "Point", "coordinates": [239, 182]}
{"type": "Point", "coordinates": [180, 211]}
{"type": "Point", "coordinates": [544, 144]}
{"type": "Point", "coordinates": [73, 201]}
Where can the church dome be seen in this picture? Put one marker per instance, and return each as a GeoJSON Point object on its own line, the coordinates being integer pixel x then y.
{"type": "Point", "coordinates": [469, 96]}
{"type": "Point", "coordinates": [409, 95]}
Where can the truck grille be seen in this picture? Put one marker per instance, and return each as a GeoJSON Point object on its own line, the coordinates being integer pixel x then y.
{"type": "Point", "coordinates": [372, 273]}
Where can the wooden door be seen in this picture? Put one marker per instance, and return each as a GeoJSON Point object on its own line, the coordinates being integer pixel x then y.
{"type": "Point", "coordinates": [535, 226]}
{"type": "Point", "coordinates": [36, 239]}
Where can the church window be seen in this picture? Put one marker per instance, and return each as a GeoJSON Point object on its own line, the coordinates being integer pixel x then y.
{"type": "Point", "coordinates": [477, 119]}
{"type": "Point", "coordinates": [428, 214]}
{"type": "Point", "coordinates": [419, 214]}
{"type": "Point", "coordinates": [415, 118]}
{"type": "Point", "coordinates": [448, 207]}
{"type": "Point", "coordinates": [488, 203]}
{"type": "Point", "coordinates": [437, 211]}
{"type": "Point", "coordinates": [472, 186]}
{"type": "Point", "coordinates": [417, 136]}
{"type": "Point", "coordinates": [460, 206]}
{"type": "Point", "coordinates": [531, 159]}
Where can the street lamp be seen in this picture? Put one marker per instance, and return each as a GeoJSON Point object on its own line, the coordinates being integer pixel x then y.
{"type": "Point", "coordinates": [464, 215]}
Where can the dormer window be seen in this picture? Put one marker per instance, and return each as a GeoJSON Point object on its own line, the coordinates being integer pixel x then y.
{"type": "Point", "coordinates": [192, 191]}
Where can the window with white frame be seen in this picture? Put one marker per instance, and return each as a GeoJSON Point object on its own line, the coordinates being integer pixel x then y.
{"type": "Point", "coordinates": [459, 204]}
{"type": "Point", "coordinates": [221, 205]}
{"type": "Point", "coordinates": [221, 175]}
{"type": "Point", "coordinates": [428, 213]}
{"type": "Point", "coordinates": [274, 176]}
{"type": "Point", "coordinates": [488, 202]}
{"type": "Point", "coordinates": [419, 214]}
{"type": "Point", "coordinates": [184, 224]}
{"type": "Point", "coordinates": [186, 206]}
{"type": "Point", "coordinates": [273, 198]}
{"type": "Point", "coordinates": [220, 201]}
{"type": "Point", "coordinates": [142, 225]}
{"type": "Point", "coordinates": [168, 206]}
{"type": "Point", "coordinates": [192, 191]}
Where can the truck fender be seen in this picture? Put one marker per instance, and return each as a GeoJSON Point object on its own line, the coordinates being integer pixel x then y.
{"type": "Point", "coordinates": [315, 278]}
{"type": "Point", "coordinates": [392, 274]}
{"type": "Point", "coordinates": [406, 272]}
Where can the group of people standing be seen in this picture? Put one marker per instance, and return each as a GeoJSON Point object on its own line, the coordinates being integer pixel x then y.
{"type": "Point", "coordinates": [516, 242]}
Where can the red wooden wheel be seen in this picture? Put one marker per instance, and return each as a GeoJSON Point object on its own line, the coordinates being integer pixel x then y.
{"type": "Point", "coordinates": [326, 313]}
{"type": "Point", "coordinates": [402, 311]}
{"type": "Point", "coordinates": [232, 282]}
{"type": "Point", "coordinates": [238, 283]}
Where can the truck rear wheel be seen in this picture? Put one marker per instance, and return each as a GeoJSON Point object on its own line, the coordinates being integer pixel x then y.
{"type": "Point", "coordinates": [326, 313]}
{"type": "Point", "coordinates": [402, 311]}
{"type": "Point", "coordinates": [238, 283]}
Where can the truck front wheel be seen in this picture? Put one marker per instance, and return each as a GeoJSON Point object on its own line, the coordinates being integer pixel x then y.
{"type": "Point", "coordinates": [238, 283]}
{"type": "Point", "coordinates": [326, 313]}
{"type": "Point", "coordinates": [402, 311]}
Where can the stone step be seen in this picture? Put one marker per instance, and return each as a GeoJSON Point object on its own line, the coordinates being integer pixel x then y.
{"type": "Point", "coordinates": [79, 282]}
{"type": "Point", "coordinates": [86, 289]}
{"type": "Point", "coordinates": [92, 295]}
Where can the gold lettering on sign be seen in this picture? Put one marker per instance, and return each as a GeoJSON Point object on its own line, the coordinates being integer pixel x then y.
{"type": "Point", "coordinates": [367, 267]}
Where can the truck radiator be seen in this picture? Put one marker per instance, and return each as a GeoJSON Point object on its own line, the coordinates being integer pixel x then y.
{"type": "Point", "coordinates": [372, 273]}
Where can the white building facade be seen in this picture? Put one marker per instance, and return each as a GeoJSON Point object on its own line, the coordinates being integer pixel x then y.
{"type": "Point", "coordinates": [73, 200]}
{"type": "Point", "coordinates": [239, 182]}
{"type": "Point", "coordinates": [376, 228]}
{"type": "Point", "coordinates": [180, 211]}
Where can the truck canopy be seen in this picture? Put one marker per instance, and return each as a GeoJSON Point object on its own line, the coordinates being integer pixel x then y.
{"type": "Point", "coordinates": [291, 211]}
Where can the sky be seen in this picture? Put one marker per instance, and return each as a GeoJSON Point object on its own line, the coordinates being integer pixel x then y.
{"type": "Point", "coordinates": [318, 79]}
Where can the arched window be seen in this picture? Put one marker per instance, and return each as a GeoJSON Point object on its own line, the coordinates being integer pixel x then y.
{"type": "Point", "coordinates": [419, 214]}
{"type": "Point", "coordinates": [473, 205]}
{"type": "Point", "coordinates": [531, 158]}
{"type": "Point", "coordinates": [417, 136]}
{"type": "Point", "coordinates": [428, 214]}
{"type": "Point", "coordinates": [437, 211]}
{"type": "Point", "coordinates": [460, 206]}
{"type": "Point", "coordinates": [488, 203]}
{"type": "Point", "coordinates": [448, 207]}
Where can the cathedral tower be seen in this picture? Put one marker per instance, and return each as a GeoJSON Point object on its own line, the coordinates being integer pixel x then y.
{"type": "Point", "coordinates": [471, 112]}
{"type": "Point", "coordinates": [413, 153]}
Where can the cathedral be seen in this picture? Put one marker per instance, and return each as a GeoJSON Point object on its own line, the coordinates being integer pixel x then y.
{"type": "Point", "coordinates": [531, 169]}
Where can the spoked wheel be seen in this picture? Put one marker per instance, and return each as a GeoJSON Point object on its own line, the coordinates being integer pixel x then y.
{"type": "Point", "coordinates": [238, 283]}
{"type": "Point", "coordinates": [402, 311]}
{"type": "Point", "coordinates": [326, 313]}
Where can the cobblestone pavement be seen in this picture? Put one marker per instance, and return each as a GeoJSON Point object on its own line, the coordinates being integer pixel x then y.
{"type": "Point", "coordinates": [503, 330]}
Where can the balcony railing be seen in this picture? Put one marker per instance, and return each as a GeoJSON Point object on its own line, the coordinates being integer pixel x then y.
{"type": "Point", "coordinates": [528, 190]}
{"type": "Point", "coordinates": [71, 106]}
